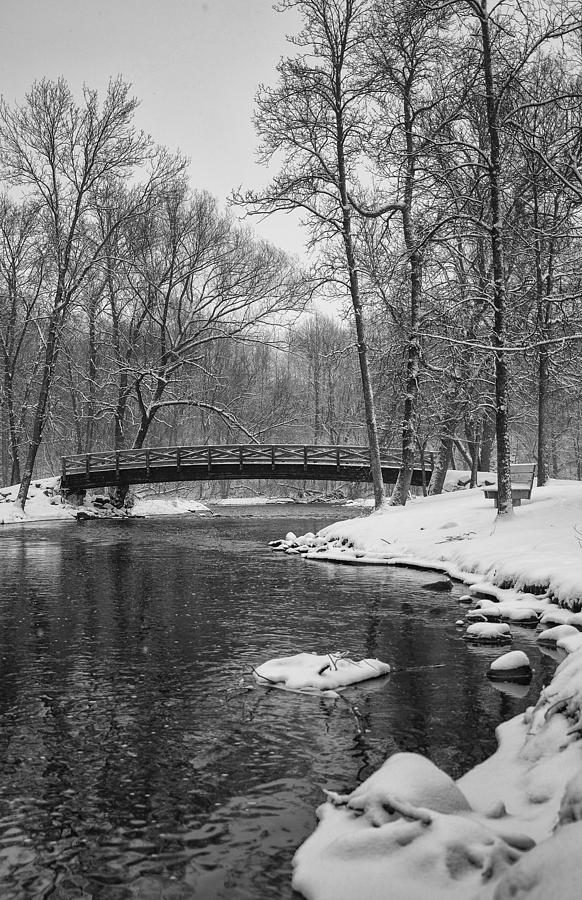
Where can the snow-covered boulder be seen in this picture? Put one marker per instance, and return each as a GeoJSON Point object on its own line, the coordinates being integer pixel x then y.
{"type": "Point", "coordinates": [489, 633]}
{"type": "Point", "coordinates": [513, 666]}
{"type": "Point", "coordinates": [407, 832]}
{"type": "Point", "coordinates": [555, 615]}
{"type": "Point", "coordinates": [318, 672]}
{"type": "Point", "coordinates": [555, 633]}
{"type": "Point", "coordinates": [518, 612]}
{"type": "Point", "coordinates": [485, 614]}
{"type": "Point", "coordinates": [404, 778]}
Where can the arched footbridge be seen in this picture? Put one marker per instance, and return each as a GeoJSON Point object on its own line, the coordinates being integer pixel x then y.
{"type": "Point", "coordinates": [229, 461]}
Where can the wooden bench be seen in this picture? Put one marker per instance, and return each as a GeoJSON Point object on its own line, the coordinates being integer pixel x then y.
{"type": "Point", "coordinates": [522, 479]}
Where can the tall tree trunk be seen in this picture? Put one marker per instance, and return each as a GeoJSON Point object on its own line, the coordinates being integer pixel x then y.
{"type": "Point", "coordinates": [122, 385]}
{"type": "Point", "coordinates": [12, 442]}
{"type": "Point", "coordinates": [441, 466]}
{"type": "Point", "coordinates": [75, 408]}
{"type": "Point", "coordinates": [504, 498]}
{"type": "Point", "coordinates": [119, 413]}
{"type": "Point", "coordinates": [447, 428]}
{"type": "Point", "coordinates": [91, 375]}
{"type": "Point", "coordinates": [543, 418]}
{"type": "Point", "coordinates": [544, 289]}
{"type": "Point", "coordinates": [487, 439]}
{"type": "Point", "coordinates": [4, 464]}
{"type": "Point", "coordinates": [50, 357]}
{"type": "Point", "coordinates": [369, 405]}
{"type": "Point", "coordinates": [402, 486]}
{"type": "Point", "coordinates": [472, 433]}
{"type": "Point", "coordinates": [316, 397]}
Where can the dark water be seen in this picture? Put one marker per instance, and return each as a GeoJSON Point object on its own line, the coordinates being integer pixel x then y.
{"type": "Point", "coordinates": [135, 760]}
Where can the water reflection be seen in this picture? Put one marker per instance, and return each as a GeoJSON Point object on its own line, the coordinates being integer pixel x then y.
{"type": "Point", "coordinates": [137, 757]}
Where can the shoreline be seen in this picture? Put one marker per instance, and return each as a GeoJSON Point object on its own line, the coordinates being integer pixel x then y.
{"type": "Point", "coordinates": [520, 810]}
{"type": "Point", "coordinates": [45, 504]}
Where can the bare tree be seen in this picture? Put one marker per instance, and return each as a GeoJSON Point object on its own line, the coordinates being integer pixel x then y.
{"type": "Point", "coordinates": [311, 125]}
{"type": "Point", "coordinates": [508, 39]}
{"type": "Point", "coordinates": [60, 153]}
{"type": "Point", "coordinates": [193, 279]}
{"type": "Point", "coordinates": [21, 282]}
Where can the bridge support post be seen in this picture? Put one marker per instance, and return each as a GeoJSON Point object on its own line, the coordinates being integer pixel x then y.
{"type": "Point", "coordinates": [119, 493]}
{"type": "Point", "coordinates": [73, 498]}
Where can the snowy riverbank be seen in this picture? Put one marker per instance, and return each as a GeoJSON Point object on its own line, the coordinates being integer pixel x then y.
{"type": "Point", "coordinates": [44, 504]}
{"type": "Point", "coordinates": [510, 827]}
{"type": "Point", "coordinates": [459, 533]}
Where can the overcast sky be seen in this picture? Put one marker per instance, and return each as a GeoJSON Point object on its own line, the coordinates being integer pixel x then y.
{"type": "Point", "coordinates": [195, 65]}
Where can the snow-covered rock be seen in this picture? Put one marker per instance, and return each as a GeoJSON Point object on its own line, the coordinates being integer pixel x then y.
{"type": "Point", "coordinates": [512, 666]}
{"type": "Point", "coordinates": [518, 612]}
{"type": "Point", "coordinates": [555, 616]}
{"type": "Point", "coordinates": [505, 610]}
{"type": "Point", "coordinates": [485, 614]}
{"type": "Point", "coordinates": [551, 635]}
{"type": "Point", "coordinates": [318, 672]}
{"type": "Point", "coordinates": [489, 633]}
{"type": "Point", "coordinates": [404, 778]}
{"type": "Point", "coordinates": [407, 833]}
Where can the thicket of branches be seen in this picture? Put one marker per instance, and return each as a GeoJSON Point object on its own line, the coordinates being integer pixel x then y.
{"type": "Point", "coordinates": [434, 149]}
{"type": "Point", "coordinates": [125, 295]}
{"type": "Point", "coordinates": [435, 152]}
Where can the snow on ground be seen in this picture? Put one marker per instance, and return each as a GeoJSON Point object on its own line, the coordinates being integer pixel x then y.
{"type": "Point", "coordinates": [44, 504]}
{"type": "Point", "coordinates": [311, 672]}
{"type": "Point", "coordinates": [512, 826]}
{"type": "Point", "coordinates": [539, 547]}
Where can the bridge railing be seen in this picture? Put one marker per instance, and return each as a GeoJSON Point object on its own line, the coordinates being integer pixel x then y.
{"type": "Point", "coordinates": [228, 454]}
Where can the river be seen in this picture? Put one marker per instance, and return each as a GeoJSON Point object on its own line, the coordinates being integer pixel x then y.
{"type": "Point", "coordinates": [138, 759]}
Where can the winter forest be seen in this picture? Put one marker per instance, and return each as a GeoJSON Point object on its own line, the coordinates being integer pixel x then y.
{"type": "Point", "coordinates": [433, 152]}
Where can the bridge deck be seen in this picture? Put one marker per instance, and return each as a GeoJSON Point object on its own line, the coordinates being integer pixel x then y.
{"type": "Point", "coordinates": [233, 461]}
